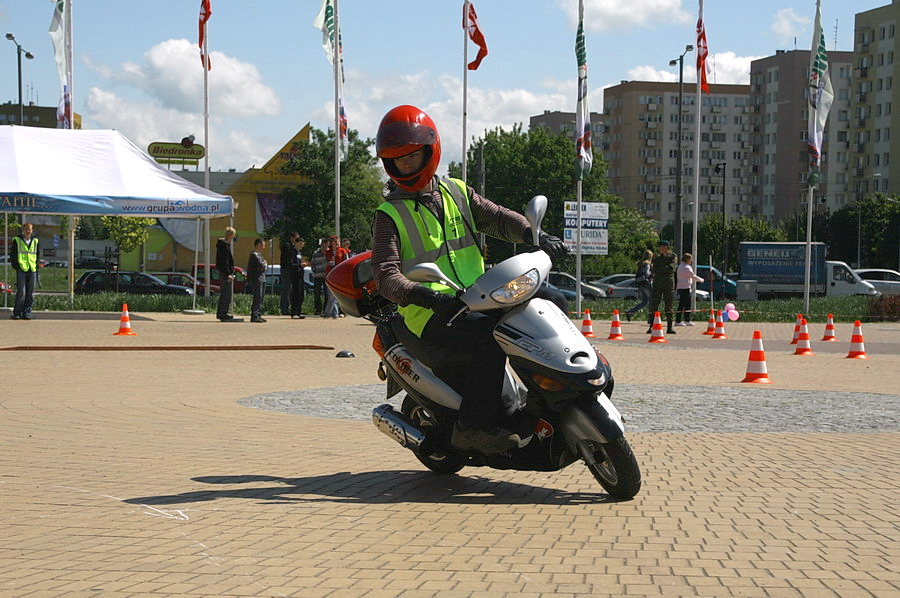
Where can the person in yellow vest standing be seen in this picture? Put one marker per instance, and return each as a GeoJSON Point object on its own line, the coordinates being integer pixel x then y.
{"type": "Point", "coordinates": [23, 255]}
{"type": "Point", "coordinates": [425, 218]}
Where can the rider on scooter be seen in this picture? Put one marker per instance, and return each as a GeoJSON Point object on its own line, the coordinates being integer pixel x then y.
{"type": "Point", "coordinates": [425, 218]}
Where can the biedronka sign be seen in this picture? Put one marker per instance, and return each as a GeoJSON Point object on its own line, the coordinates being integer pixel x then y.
{"type": "Point", "coordinates": [176, 153]}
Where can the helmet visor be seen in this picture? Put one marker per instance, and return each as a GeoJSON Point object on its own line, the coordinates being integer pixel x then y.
{"type": "Point", "coordinates": [400, 138]}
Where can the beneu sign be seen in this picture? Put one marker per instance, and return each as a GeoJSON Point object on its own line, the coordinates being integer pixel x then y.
{"type": "Point", "coordinates": [159, 149]}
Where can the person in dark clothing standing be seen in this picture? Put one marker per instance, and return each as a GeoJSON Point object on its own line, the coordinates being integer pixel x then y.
{"type": "Point", "coordinates": [298, 292]}
{"type": "Point", "coordinates": [319, 266]}
{"type": "Point", "coordinates": [288, 265]}
{"type": "Point", "coordinates": [664, 266]}
{"type": "Point", "coordinates": [256, 278]}
{"type": "Point", "coordinates": [23, 256]}
{"type": "Point", "coordinates": [225, 266]}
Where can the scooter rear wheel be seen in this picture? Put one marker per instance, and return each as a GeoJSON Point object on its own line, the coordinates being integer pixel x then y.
{"type": "Point", "coordinates": [615, 467]}
{"type": "Point", "coordinates": [438, 460]}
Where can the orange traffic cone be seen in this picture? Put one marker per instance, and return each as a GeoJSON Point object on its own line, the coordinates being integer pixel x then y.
{"type": "Point", "coordinates": [615, 328]}
{"type": "Point", "coordinates": [656, 331]}
{"type": "Point", "coordinates": [711, 324]}
{"type": "Point", "coordinates": [125, 323]}
{"type": "Point", "coordinates": [857, 347]}
{"type": "Point", "coordinates": [803, 347]}
{"type": "Point", "coordinates": [829, 329]}
{"type": "Point", "coordinates": [587, 329]}
{"type": "Point", "coordinates": [720, 327]}
{"type": "Point", "coordinates": [756, 364]}
{"type": "Point", "coordinates": [796, 329]}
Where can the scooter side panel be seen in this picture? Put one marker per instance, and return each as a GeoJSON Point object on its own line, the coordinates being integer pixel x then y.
{"type": "Point", "coordinates": [538, 331]}
{"type": "Point", "coordinates": [420, 377]}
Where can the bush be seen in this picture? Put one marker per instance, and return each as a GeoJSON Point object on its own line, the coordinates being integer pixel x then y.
{"type": "Point", "coordinates": [884, 307]}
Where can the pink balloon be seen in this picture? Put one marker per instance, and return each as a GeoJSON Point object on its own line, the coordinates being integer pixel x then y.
{"type": "Point", "coordinates": [733, 314]}
{"type": "Point", "coordinates": [729, 307]}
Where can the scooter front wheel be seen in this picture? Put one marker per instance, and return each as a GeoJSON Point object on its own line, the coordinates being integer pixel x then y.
{"type": "Point", "coordinates": [613, 465]}
{"type": "Point", "coordinates": [437, 460]}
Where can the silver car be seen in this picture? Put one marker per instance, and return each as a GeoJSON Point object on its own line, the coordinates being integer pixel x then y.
{"type": "Point", "coordinates": [886, 281]}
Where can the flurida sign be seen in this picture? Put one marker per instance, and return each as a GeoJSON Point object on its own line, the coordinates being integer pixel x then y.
{"type": "Point", "coordinates": [175, 151]}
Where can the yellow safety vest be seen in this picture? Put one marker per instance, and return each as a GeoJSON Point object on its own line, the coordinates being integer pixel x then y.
{"type": "Point", "coordinates": [27, 254]}
{"type": "Point", "coordinates": [450, 244]}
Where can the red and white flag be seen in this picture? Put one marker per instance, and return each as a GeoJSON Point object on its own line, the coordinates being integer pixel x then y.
{"type": "Point", "coordinates": [205, 13]}
{"type": "Point", "coordinates": [470, 24]}
{"type": "Point", "coordinates": [702, 52]}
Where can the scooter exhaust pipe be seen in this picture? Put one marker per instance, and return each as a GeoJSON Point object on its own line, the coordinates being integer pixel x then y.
{"type": "Point", "coordinates": [397, 426]}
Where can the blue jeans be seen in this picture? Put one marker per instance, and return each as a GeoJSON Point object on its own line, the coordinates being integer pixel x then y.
{"type": "Point", "coordinates": [24, 293]}
{"type": "Point", "coordinates": [331, 305]}
{"type": "Point", "coordinates": [644, 296]}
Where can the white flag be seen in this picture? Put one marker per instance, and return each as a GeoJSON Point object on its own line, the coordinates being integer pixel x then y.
{"type": "Point", "coordinates": [60, 53]}
{"type": "Point", "coordinates": [821, 95]}
{"type": "Point", "coordinates": [325, 21]}
{"type": "Point", "coordinates": [583, 144]}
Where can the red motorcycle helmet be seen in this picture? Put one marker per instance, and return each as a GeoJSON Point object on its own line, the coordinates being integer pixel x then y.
{"type": "Point", "coordinates": [404, 130]}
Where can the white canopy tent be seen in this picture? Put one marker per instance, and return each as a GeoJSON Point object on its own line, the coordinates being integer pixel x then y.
{"type": "Point", "coordinates": [96, 173]}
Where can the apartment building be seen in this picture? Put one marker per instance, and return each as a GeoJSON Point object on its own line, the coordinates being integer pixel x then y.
{"type": "Point", "coordinates": [779, 110]}
{"type": "Point", "coordinates": [870, 115]}
{"type": "Point", "coordinates": [642, 141]}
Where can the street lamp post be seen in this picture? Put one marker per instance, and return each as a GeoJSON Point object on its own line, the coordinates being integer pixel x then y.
{"type": "Point", "coordinates": [720, 167]}
{"type": "Point", "coordinates": [679, 197]}
{"type": "Point", "coordinates": [29, 56]}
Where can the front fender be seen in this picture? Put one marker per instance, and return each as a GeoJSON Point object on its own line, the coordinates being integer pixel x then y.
{"type": "Point", "coordinates": [596, 420]}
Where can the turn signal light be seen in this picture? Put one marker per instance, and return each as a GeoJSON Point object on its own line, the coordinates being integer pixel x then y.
{"type": "Point", "coordinates": [376, 344]}
{"type": "Point", "coordinates": [546, 383]}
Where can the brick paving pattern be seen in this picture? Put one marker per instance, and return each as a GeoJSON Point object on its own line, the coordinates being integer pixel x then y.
{"type": "Point", "coordinates": [141, 473]}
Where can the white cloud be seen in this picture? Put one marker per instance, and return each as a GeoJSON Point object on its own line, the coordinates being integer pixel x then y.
{"type": "Point", "coordinates": [649, 73]}
{"type": "Point", "coordinates": [171, 73]}
{"type": "Point", "coordinates": [144, 122]}
{"type": "Point", "coordinates": [788, 25]}
{"type": "Point", "coordinates": [727, 67]}
{"type": "Point", "coordinates": [604, 15]}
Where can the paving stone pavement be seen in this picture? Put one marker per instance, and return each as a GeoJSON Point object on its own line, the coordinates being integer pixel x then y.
{"type": "Point", "coordinates": [141, 474]}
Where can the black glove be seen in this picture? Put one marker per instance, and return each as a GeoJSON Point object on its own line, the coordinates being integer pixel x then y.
{"type": "Point", "coordinates": [553, 246]}
{"type": "Point", "coordinates": [446, 306]}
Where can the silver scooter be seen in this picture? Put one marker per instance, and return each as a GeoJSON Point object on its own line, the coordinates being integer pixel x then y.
{"type": "Point", "coordinates": [556, 385]}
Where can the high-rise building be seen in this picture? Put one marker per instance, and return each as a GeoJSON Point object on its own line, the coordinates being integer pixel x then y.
{"type": "Point", "coordinates": [870, 114]}
{"type": "Point", "coordinates": [778, 118]}
{"type": "Point", "coordinates": [642, 141]}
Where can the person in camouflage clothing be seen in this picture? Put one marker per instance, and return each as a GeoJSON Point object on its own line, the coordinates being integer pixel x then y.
{"type": "Point", "coordinates": [664, 266]}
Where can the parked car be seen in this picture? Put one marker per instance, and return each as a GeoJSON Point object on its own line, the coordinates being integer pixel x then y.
{"type": "Point", "coordinates": [566, 282]}
{"type": "Point", "coordinates": [99, 281]}
{"type": "Point", "coordinates": [569, 295]}
{"type": "Point", "coordinates": [627, 289]}
{"type": "Point", "coordinates": [720, 283]}
{"type": "Point", "coordinates": [886, 281]}
{"type": "Point", "coordinates": [240, 277]}
{"type": "Point", "coordinates": [90, 261]}
{"type": "Point", "coordinates": [611, 280]}
{"type": "Point", "coordinates": [183, 279]}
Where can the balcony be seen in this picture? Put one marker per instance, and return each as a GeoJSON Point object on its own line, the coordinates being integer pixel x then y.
{"type": "Point", "coordinates": [651, 107]}
{"type": "Point", "coordinates": [862, 72]}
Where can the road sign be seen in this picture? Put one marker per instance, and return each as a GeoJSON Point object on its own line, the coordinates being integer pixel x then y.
{"type": "Point", "coordinates": [594, 227]}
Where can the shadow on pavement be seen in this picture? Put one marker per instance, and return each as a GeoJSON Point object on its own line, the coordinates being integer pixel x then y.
{"type": "Point", "coordinates": [377, 487]}
{"type": "Point", "coordinates": [85, 315]}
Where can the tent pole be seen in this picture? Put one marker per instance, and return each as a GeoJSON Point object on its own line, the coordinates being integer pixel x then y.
{"type": "Point", "coordinates": [6, 261]}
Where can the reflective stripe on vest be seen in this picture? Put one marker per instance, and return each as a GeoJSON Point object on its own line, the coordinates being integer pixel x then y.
{"type": "Point", "coordinates": [27, 254]}
{"type": "Point", "coordinates": [451, 244]}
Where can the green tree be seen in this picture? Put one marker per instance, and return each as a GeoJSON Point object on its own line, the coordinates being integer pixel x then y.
{"type": "Point", "coordinates": [128, 233]}
{"type": "Point", "coordinates": [520, 164]}
{"type": "Point", "coordinates": [309, 207]}
{"type": "Point", "coordinates": [712, 241]}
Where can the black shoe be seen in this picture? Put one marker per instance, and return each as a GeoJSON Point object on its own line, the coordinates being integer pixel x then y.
{"type": "Point", "coordinates": [487, 442]}
{"type": "Point", "coordinates": [228, 318]}
{"type": "Point", "coordinates": [627, 316]}
{"type": "Point", "coordinates": [26, 317]}
{"type": "Point", "coordinates": [298, 317]}
{"type": "Point", "coordinates": [649, 330]}
{"type": "Point", "coordinates": [671, 331]}
{"type": "Point", "coordinates": [15, 317]}
{"type": "Point", "coordinates": [258, 320]}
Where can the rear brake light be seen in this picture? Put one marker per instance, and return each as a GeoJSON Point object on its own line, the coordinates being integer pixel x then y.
{"type": "Point", "coordinates": [376, 344]}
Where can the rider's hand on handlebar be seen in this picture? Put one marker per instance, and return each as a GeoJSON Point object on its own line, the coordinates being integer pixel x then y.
{"type": "Point", "coordinates": [553, 246]}
{"type": "Point", "coordinates": [445, 305]}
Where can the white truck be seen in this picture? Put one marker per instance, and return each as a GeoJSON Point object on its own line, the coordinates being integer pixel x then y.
{"type": "Point", "coordinates": [779, 269]}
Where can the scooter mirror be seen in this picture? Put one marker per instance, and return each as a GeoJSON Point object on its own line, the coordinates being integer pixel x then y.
{"type": "Point", "coordinates": [534, 213]}
{"type": "Point", "coordinates": [429, 272]}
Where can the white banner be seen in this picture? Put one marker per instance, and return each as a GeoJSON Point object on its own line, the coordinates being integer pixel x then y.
{"type": "Point", "coordinates": [594, 227]}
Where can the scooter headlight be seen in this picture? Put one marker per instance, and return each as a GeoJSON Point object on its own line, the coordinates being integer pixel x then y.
{"type": "Point", "coordinates": [517, 289]}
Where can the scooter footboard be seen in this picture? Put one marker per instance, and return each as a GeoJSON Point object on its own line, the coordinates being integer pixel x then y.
{"type": "Point", "coordinates": [595, 420]}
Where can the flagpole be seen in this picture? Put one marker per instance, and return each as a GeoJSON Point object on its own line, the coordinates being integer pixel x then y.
{"type": "Point", "coordinates": [808, 259]}
{"type": "Point", "coordinates": [337, 122]}
{"type": "Point", "coordinates": [69, 115]}
{"type": "Point", "coordinates": [206, 222]}
{"type": "Point", "coordinates": [698, 100]}
{"type": "Point", "coordinates": [465, 84]}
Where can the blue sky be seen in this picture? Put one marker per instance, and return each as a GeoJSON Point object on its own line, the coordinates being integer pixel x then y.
{"type": "Point", "coordinates": [137, 67]}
